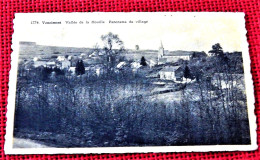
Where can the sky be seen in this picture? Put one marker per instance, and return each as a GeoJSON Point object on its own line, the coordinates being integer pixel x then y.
{"type": "Point", "coordinates": [177, 31]}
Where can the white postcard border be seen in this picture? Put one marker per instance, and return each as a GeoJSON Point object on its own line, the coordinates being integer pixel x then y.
{"type": "Point", "coordinates": [198, 148]}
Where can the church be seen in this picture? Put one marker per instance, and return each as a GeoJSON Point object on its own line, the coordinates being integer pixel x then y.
{"type": "Point", "coordinates": [165, 56]}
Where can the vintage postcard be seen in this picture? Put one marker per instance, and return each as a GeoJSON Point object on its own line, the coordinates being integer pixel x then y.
{"type": "Point", "coordinates": [130, 82]}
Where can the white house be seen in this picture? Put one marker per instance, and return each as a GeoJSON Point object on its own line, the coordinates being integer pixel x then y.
{"type": "Point", "coordinates": [72, 69]}
{"type": "Point", "coordinates": [151, 63]}
{"type": "Point", "coordinates": [171, 73]}
{"type": "Point", "coordinates": [50, 64]}
{"type": "Point", "coordinates": [93, 54]}
{"type": "Point", "coordinates": [83, 56]}
{"type": "Point", "coordinates": [39, 63]}
{"type": "Point", "coordinates": [228, 80]}
{"type": "Point", "coordinates": [135, 66]}
{"type": "Point", "coordinates": [102, 52]}
{"type": "Point", "coordinates": [61, 58]}
{"type": "Point", "coordinates": [65, 64]}
{"type": "Point", "coordinates": [98, 70]}
{"type": "Point", "coordinates": [36, 59]}
{"type": "Point", "coordinates": [69, 58]}
{"type": "Point", "coordinates": [120, 65]}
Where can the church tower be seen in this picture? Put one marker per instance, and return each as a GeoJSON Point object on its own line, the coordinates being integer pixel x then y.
{"type": "Point", "coordinates": [160, 52]}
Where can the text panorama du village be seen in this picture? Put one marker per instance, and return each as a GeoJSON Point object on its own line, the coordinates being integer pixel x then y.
{"type": "Point", "coordinates": [90, 22]}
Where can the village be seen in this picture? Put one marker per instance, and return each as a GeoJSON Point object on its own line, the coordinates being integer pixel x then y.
{"type": "Point", "coordinates": [163, 64]}
{"type": "Point", "coordinates": [163, 70]}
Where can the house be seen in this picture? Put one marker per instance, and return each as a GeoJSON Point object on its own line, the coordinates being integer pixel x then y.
{"type": "Point", "coordinates": [88, 68]}
{"type": "Point", "coordinates": [39, 63]}
{"type": "Point", "coordinates": [69, 58]}
{"type": "Point", "coordinates": [44, 62]}
{"type": "Point", "coordinates": [120, 65]}
{"type": "Point", "coordinates": [198, 55]}
{"type": "Point", "coordinates": [174, 73]}
{"type": "Point", "coordinates": [98, 69]}
{"type": "Point", "coordinates": [228, 80]}
{"type": "Point", "coordinates": [61, 58]}
{"type": "Point", "coordinates": [173, 56]}
{"type": "Point", "coordinates": [123, 66]}
{"type": "Point", "coordinates": [101, 52]}
{"type": "Point", "coordinates": [50, 64]}
{"type": "Point", "coordinates": [151, 63]}
{"type": "Point", "coordinates": [83, 56]}
{"type": "Point", "coordinates": [92, 60]}
{"type": "Point", "coordinates": [135, 66]}
{"type": "Point", "coordinates": [36, 59]}
{"type": "Point", "coordinates": [72, 70]}
{"type": "Point", "coordinates": [65, 64]}
{"type": "Point", "coordinates": [93, 54]}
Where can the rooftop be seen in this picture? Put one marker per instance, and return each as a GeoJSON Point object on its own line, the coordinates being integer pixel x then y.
{"type": "Point", "coordinates": [178, 53]}
{"type": "Point", "coordinates": [170, 69]}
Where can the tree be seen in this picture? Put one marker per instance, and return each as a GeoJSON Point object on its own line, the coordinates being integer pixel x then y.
{"type": "Point", "coordinates": [80, 68]}
{"type": "Point", "coordinates": [58, 71]}
{"type": "Point", "coordinates": [96, 49]}
{"type": "Point", "coordinates": [217, 50]}
{"type": "Point", "coordinates": [186, 72]}
{"type": "Point", "coordinates": [112, 44]}
{"type": "Point", "coordinates": [143, 61]}
{"type": "Point", "coordinates": [221, 61]}
{"type": "Point", "coordinates": [46, 71]}
{"type": "Point", "coordinates": [137, 47]}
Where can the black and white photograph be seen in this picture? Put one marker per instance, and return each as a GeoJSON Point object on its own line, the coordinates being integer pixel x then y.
{"type": "Point", "coordinates": [130, 82]}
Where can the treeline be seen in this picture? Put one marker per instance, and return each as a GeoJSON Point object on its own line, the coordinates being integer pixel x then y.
{"type": "Point", "coordinates": [220, 93]}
